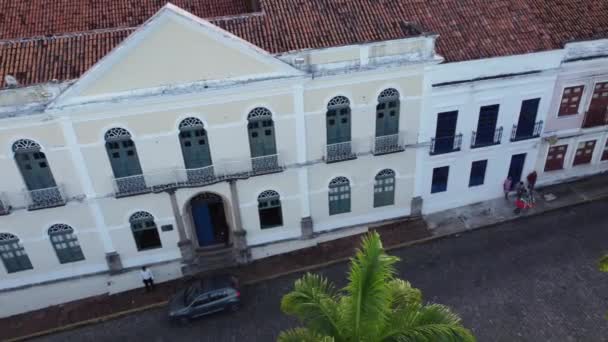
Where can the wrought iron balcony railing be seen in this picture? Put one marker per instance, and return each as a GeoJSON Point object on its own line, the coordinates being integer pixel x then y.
{"type": "Point", "coordinates": [45, 198]}
{"type": "Point", "coordinates": [483, 140]}
{"type": "Point", "coordinates": [446, 144]}
{"type": "Point", "coordinates": [160, 180]}
{"type": "Point", "coordinates": [5, 207]}
{"type": "Point", "coordinates": [339, 152]}
{"type": "Point", "coordinates": [265, 164]}
{"type": "Point", "coordinates": [526, 132]}
{"type": "Point", "coordinates": [388, 144]}
{"type": "Point", "coordinates": [130, 185]}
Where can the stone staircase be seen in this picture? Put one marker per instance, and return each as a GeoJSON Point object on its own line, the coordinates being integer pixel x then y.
{"type": "Point", "coordinates": [213, 258]}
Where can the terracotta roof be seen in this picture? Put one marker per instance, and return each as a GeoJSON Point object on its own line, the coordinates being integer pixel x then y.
{"type": "Point", "coordinates": [468, 29]}
{"type": "Point", "coordinates": [29, 18]}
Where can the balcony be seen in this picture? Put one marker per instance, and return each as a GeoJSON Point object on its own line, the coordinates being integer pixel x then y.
{"type": "Point", "coordinates": [595, 119]}
{"type": "Point", "coordinates": [265, 164]}
{"type": "Point", "coordinates": [445, 144]}
{"type": "Point", "coordinates": [388, 144]}
{"type": "Point", "coordinates": [5, 208]}
{"type": "Point", "coordinates": [526, 132]}
{"type": "Point", "coordinates": [484, 140]}
{"type": "Point", "coordinates": [161, 180]}
{"type": "Point", "coordinates": [45, 198]}
{"type": "Point", "coordinates": [339, 152]}
{"type": "Point", "coordinates": [131, 185]}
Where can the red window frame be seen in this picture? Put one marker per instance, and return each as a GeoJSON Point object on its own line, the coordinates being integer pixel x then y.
{"type": "Point", "coordinates": [584, 152]}
{"type": "Point", "coordinates": [555, 157]}
{"type": "Point", "coordinates": [571, 100]}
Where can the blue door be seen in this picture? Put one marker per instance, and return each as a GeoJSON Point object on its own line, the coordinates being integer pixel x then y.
{"type": "Point", "coordinates": [203, 224]}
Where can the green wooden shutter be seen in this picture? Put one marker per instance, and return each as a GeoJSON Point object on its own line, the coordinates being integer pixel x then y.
{"type": "Point", "coordinates": [122, 153]}
{"type": "Point", "coordinates": [260, 128]}
{"type": "Point", "coordinates": [387, 113]}
{"type": "Point", "coordinates": [33, 165]}
{"type": "Point", "coordinates": [338, 120]}
{"type": "Point", "coordinates": [13, 254]}
{"type": "Point", "coordinates": [384, 188]}
{"type": "Point", "coordinates": [339, 196]}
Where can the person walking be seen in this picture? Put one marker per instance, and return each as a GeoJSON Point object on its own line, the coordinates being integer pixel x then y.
{"type": "Point", "coordinates": [147, 278]}
{"type": "Point", "coordinates": [520, 190]}
{"type": "Point", "coordinates": [531, 180]}
{"type": "Point", "coordinates": [506, 187]}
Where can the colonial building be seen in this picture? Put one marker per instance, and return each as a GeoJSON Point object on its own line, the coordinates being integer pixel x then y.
{"type": "Point", "coordinates": [134, 134]}
{"type": "Point", "coordinates": [576, 136]}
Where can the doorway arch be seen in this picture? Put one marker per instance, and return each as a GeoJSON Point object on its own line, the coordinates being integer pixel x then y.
{"type": "Point", "coordinates": [209, 220]}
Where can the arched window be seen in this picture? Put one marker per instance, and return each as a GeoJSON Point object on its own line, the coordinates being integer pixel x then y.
{"type": "Point", "coordinates": [387, 113]}
{"type": "Point", "coordinates": [338, 120]}
{"type": "Point", "coordinates": [384, 188]}
{"type": "Point", "coordinates": [260, 128]}
{"type": "Point", "coordinates": [269, 208]}
{"type": "Point", "coordinates": [144, 230]}
{"type": "Point", "coordinates": [195, 150]}
{"type": "Point", "coordinates": [65, 243]}
{"type": "Point", "coordinates": [33, 165]}
{"type": "Point", "coordinates": [339, 196]}
{"type": "Point", "coordinates": [13, 254]}
{"type": "Point", "coordinates": [124, 160]}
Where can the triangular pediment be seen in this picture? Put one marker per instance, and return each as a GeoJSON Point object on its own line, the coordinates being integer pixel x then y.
{"type": "Point", "coordinates": [175, 47]}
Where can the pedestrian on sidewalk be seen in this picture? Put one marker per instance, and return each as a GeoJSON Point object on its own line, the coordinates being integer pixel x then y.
{"type": "Point", "coordinates": [506, 187]}
{"type": "Point", "coordinates": [147, 278]}
{"type": "Point", "coordinates": [520, 189]}
{"type": "Point", "coordinates": [532, 180]}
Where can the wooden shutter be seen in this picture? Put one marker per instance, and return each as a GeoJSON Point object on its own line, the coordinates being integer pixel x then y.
{"type": "Point", "coordinates": [584, 152]}
{"type": "Point", "coordinates": [555, 157]}
{"type": "Point", "coordinates": [571, 99]}
{"type": "Point", "coordinates": [598, 108]}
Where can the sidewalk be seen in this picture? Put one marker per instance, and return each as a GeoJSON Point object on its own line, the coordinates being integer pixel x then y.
{"type": "Point", "coordinates": [499, 210]}
{"type": "Point", "coordinates": [394, 235]}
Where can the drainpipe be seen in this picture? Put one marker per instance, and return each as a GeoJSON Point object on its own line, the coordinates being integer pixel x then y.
{"type": "Point", "coordinates": [243, 254]}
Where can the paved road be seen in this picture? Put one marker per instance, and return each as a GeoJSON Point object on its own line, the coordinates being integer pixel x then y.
{"type": "Point", "coordinates": [531, 280]}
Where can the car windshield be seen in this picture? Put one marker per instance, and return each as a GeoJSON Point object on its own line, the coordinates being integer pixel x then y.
{"type": "Point", "coordinates": [191, 294]}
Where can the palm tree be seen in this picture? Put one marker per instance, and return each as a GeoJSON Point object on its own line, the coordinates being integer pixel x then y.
{"type": "Point", "coordinates": [374, 306]}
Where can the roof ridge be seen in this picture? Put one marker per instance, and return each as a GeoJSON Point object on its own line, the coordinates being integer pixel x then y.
{"type": "Point", "coordinates": [65, 35]}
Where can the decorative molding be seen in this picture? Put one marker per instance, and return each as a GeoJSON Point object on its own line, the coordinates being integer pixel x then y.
{"type": "Point", "coordinates": [339, 181]}
{"type": "Point", "coordinates": [117, 133]}
{"type": "Point", "coordinates": [60, 228]}
{"type": "Point", "coordinates": [388, 94]}
{"type": "Point", "coordinates": [338, 102]}
{"type": "Point", "coordinates": [25, 145]}
{"type": "Point", "coordinates": [191, 123]}
{"type": "Point", "coordinates": [259, 113]}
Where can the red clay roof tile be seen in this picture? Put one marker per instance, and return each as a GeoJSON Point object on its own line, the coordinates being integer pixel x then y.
{"type": "Point", "coordinates": [468, 29]}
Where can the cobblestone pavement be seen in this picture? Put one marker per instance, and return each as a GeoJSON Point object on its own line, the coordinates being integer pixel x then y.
{"type": "Point", "coordinates": [528, 280]}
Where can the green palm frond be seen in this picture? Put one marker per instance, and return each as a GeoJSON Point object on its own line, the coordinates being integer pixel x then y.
{"type": "Point", "coordinates": [303, 335]}
{"type": "Point", "coordinates": [374, 306]}
{"type": "Point", "coordinates": [403, 294]}
{"type": "Point", "coordinates": [430, 323]}
{"type": "Point", "coordinates": [368, 300]}
{"type": "Point", "coordinates": [603, 263]}
{"type": "Point", "coordinates": [313, 301]}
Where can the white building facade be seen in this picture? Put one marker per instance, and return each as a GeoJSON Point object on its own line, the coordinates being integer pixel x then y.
{"type": "Point", "coordinates": [140, 163]}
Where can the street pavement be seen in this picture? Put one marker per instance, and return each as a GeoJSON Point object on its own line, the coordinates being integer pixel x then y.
{"type": "Point", "coordinates": [533, 279]}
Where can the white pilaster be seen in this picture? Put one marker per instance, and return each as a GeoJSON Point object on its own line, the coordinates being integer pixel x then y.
{"type": "Point", "coordinates": [302, 152]}
{"type": "Point", "coordinates": [69, 134]}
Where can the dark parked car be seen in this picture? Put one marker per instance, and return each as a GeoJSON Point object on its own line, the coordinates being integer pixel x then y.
{"type": "Point", "coordinates": [204, 297]}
